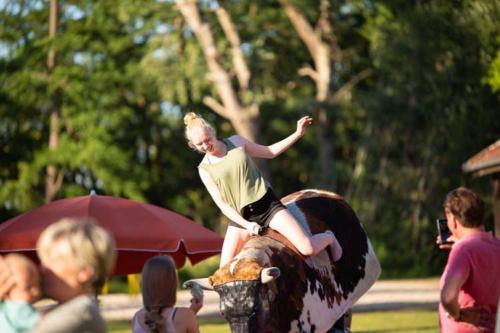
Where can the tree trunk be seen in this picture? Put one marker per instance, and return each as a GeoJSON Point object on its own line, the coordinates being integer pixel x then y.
{"type": "Point", "coordinates": [324, 49]}
{"type": "Point", "coordinates": [236, 104]}
{"type": "Point", "coordinates": [356, 183]}
{"type": "Point", "coordinates": [53, 178]}
{"type": "Point", "coordinates": [244, 118]}
{"type": "Point", "coordinates": [321, 75]}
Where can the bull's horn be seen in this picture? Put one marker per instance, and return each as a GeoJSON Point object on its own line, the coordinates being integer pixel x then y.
{"type": "Point", "coordinates": [269, 274]}
{"type": "Point", "coordinates": [203, 283]}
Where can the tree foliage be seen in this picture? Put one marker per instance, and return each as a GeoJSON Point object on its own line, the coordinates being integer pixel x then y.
{"type": "Point", "coordinates": [127, 71]}
{"type": "Point", "coordinates": [427, 112]}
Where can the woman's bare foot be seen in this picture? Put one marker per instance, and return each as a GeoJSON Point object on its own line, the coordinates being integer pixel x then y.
{"type": "Point", "coordinates": [335, 247]}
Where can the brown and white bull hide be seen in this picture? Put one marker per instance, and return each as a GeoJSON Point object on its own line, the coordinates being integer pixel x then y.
{"type": "Point", "coordinates": [312, 292]}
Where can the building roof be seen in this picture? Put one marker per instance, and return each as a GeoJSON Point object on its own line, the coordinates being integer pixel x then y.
{"type": "Point", "coordinates": [486, 162]}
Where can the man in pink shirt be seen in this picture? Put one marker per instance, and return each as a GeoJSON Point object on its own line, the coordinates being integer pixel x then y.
{"type": "Point", "coordinates": [470, 284]}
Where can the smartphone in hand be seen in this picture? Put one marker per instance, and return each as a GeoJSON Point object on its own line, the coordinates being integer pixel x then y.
{"type": "Point", "coordinates": [197, 292]}
{"type": "Point", "coordinates": [443, 231]}
{"type": "Point", "coordinates": [197, 297]}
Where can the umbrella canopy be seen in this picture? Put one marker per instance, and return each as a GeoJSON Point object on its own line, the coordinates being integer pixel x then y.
{"type": "Point", "coordinates": [140, 230]}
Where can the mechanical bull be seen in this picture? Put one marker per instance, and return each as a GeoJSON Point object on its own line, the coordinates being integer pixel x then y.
{"type": "Point", "coordinates": [312, 292]}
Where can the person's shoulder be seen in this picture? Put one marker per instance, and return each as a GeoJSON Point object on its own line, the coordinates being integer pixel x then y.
{"type": "Point", "coordinates": [183, 309]}
{"type": "Point", "coordinates": [83, 306]}
{"type": "Point", "coordinates": [86, 301]}
{"type": "Point", "coordinates": [80, 314]}
{"type": "Point", "coordinates": [236, 140]}
{"type": "Point", "coordinates": [478, 238]}
{"type": "Point", "coordinates": [138, 315]}
{"type": "Point", "coordinates": [186, 318]}
{"type": "Point", "coordinates": [474, 244]}
{"type": "Point", "coordinates": [203, 162]}
{"type": "Point", "coordinates": [185, 313]}
{"type": "Point", "coordinates": [137, 321]}
{"type": "Point", "coordinates": [462, 245]}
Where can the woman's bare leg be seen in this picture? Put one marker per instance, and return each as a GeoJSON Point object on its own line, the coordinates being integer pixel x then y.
{"type": "Point", "coordinates": [288, 226]}
{"type": "Point", "coordinates": [233, 242]}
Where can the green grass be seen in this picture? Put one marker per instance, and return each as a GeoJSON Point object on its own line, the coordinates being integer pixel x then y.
{"type": "Point", "coordinates": [405, 321]}
{"type": "Point", "coordinates": [216, 325]}
{"type": "Point", "coordinates": [119, 326]}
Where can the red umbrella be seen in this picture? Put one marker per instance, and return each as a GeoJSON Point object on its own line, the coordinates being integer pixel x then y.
{"type": "Point", "coordinates": [140, 230]}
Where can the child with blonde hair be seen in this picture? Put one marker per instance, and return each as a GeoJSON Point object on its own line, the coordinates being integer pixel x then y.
{"type": "Point", "coordinates": [76, 256]}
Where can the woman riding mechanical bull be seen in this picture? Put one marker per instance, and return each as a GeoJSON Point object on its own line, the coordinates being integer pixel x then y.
{"type": "Point", "coordinates": [317, 287]}
{"type": "Point", "coordinates": [243, 195]}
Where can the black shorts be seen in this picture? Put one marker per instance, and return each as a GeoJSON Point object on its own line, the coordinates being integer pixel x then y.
{"type": "Point", "coordinates": [263, 210]}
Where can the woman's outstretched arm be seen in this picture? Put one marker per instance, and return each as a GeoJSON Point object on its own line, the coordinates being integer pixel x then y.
{"type": "Point", "coordinates": [256, 150]}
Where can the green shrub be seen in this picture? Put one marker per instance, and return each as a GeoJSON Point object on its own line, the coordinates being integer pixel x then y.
{"type": "Point", "coordinates": [201, 270]}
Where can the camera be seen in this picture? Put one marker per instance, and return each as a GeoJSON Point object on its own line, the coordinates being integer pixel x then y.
{"type": "Point", "coordinates": [444, 231]}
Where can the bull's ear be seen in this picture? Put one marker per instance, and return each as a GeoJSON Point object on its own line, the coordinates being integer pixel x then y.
{"type": "Point", "coordinates": [203, 283]}
{"type": "Point", "coordinates": [269, 274]}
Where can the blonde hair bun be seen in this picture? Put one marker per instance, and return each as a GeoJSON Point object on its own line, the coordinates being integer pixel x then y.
{"type": "Point", "coordinates": [194, 121]}
{"type": "Point", "coordinates": [190, 116]}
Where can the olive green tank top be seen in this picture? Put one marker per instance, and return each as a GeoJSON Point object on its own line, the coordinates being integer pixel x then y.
{"type": "Point", "coordinates": [237, 177]}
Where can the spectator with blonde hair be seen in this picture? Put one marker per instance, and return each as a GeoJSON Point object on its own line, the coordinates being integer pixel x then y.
{"type": "Point", "coordinates": [76, 257]}
{"type": "Point", "coordinates": [159, 288]}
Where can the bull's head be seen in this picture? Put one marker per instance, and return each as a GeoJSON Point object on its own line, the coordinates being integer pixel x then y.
{"type": "Point", "coordinates": [243, 303]}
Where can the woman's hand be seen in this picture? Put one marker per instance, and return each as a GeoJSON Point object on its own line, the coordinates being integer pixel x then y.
{"type": "Point", "coordinates": [197, 297]}
{"type": "Point", "coordinates": [253, 228]}
{"type": "Point", "coordinates": [196, 304]}
{"type": "Point", "coordinates": [302, 124]}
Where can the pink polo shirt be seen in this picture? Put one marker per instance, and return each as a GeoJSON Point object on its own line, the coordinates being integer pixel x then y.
{"type": "Point", "coordinates": [476, 258]}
